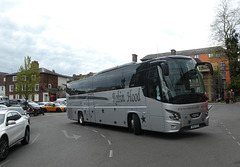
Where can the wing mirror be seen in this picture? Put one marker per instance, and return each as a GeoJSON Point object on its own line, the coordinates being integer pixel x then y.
{"type": "Point", "coordinates": [209, 65]}
{"type": "Point", "coordinates": [11, 122]}
{"type": "Point", "coordinates": [165, 68]}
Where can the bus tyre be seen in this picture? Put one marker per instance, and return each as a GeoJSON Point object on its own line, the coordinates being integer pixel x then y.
{"type": "Point", "coordinates": [80, 118]}
{"type": "Point", "coordinates": [136, 125]}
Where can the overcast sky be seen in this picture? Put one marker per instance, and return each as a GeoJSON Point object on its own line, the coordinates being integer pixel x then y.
{"type": "Point", "coordinates": [82, 36]}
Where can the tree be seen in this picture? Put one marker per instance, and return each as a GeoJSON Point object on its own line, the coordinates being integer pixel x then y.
{"type": "Point", "coordinates": [27, 78]}
{"type": "Point", "coordinates": [226, 22]}
{"type": "Point", "coordinates": [232, 52]}
{"type": "Point", "coordinates": [224, 32]}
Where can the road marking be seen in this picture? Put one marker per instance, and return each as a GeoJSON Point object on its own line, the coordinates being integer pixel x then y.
{"type": "Point", "coordinates": [71, 137]}
{"type": "Point", "coordinates": [110, 153]}
{"type": "Point", "coordinates": [109, 143]}
{"type": "Point", "coordinates": [230, 133]}
{"type": "Point", "coordinates": [95, 131]}
{"type": "Point", "coordinates": [35, 139]}
{"type": "Point", "coordinates": [4, 163]}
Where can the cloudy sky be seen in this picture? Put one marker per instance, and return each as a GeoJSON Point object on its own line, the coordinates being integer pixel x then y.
{"type": "Point", "coordinates": [82, 36]}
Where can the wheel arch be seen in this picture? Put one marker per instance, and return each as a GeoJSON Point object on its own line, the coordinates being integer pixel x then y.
{"type": "Point", "coordinates": [5, 136]}
{"type": "Point", "coordinates": [129, 116]}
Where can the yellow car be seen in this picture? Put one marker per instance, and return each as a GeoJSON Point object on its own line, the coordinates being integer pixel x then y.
{"type": "Point", "coordinates": [54, 107]}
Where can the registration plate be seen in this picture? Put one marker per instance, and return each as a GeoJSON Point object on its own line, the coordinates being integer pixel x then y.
{"type": "Point", "coordinates": [194, 126]}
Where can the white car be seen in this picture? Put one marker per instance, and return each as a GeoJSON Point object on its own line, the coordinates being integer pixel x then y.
{"type": "Point", "coordinates": [2, 106]}
{"type": "Point", "coordinates": [20, 110]}
{"type": "Point", "coordinates": [13, 129]}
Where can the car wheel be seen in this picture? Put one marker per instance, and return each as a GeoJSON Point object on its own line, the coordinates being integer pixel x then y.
{"type": "Point", "coordinates": [81, 118]}
{"type": "Point", "coordinates": [35, 113]}
{"type": "Point", "coordinates": [26, 138]}
{"type": "Point", "coordinates": [136, 125]}
{"type": "Point", "coordinates": [4, 148]}
{"type": "Point", "coordinates": [58, 110]}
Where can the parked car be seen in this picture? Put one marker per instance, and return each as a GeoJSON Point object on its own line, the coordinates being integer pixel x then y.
{"type": "Point", "coordinates": [54, 107]}
{"type": "Point", "coordinates": [2, 106]}
{"type": "Point", "coordinates": [34, 109]}
{"type": "Point", "coordinates": [61, 101]}
{"type": "Point", "coordinates": [21, 111]}
{"type": "Point", "coordinates": [13, 128]}
{"type": "Point", "coordinates": [41, 104]}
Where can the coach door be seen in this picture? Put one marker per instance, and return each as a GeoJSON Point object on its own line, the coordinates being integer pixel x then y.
{"type": "Point", "coordinates": [91, 110]}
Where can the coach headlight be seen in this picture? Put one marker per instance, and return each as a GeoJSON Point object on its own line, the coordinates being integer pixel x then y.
{"type": "Point", "coordinates": [173, 115]}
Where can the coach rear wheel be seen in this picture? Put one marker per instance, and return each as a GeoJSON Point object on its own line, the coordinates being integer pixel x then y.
{"type": "Point", "coordinates": [136, 125]}
{"type": "Point", "coordinates": [80, 118]}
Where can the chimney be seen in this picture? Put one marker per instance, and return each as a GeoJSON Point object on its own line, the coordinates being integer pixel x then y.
{"type": "Point", "coordinates": [173, 52]}
{"type": "Point", "coordinates": [36, 62]}
{"type": "Point", "coordinates": [134, 58]}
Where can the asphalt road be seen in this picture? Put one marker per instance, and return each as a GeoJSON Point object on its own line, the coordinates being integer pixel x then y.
{"type": "Point", "coordinates": [59, 142]}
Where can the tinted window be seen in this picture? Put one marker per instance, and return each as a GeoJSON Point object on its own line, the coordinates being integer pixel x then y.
{"type": "Point", "coordinates": [129, 76]}
{"type": "Point", "coordinates": [10, 117]}
{"type": "Point", "coordinates": [99, 83]}
{"type": "Point", "coordinates": [2, 116]}
{"type": "Point", "coordinates": [113, 80]}
{"type": "Point", "coordinates": [16, 116]}
{"type": "Point", "coordinates": [153, 88]}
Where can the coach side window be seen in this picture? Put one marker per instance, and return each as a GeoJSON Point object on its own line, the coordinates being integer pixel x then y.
{"type": "Point", "coordinates": [153, 84]}
{"type": "Point", "coordinates": [114, 80]}
{"type": "Point", "coordinates": [141, 80]}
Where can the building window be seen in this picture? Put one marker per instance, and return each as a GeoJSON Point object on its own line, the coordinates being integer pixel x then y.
{"type": "Point", "coordinates": [36, 97]}
{"type": "Point", "coordinates": [23, 87]}
{"type": "Point", "coordinates": [11, 88]}
{"type": "Point", "coordinates": [16, 96]}
{"type": "Point", "coordinates": [196, 56]}
{"type": "Point", "coordinates": [223, 75]}
{"type": "Point", "coordinates": [219, 54]}
{"type": "Point", "coordinates": [210, 55]}
{"type": "Point", "coordinates": [49, 86]}
{"type": "Point", "coordinates": [222, 65]}
{"type": "Point", "coordinates": [36, 87]}
{"type": "Point", "coordinates": [14, 78]}
{"type": "Point", "coordinates": [34, 77]}
{"type": "Point", "coordinates": [4, 79]}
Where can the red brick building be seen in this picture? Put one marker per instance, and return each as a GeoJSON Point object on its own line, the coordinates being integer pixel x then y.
{"type": "Point", "coordinates": [51, 86]}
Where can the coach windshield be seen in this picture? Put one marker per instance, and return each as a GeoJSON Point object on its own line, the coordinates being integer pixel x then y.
{"type": "Point", "coordinates": [183, 84]}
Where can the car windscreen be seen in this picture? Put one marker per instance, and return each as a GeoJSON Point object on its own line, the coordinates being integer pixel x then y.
{"type": "Point", "coordinates": [33, 104]}
{"type": "Point", "coordinates": [19, 109]}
